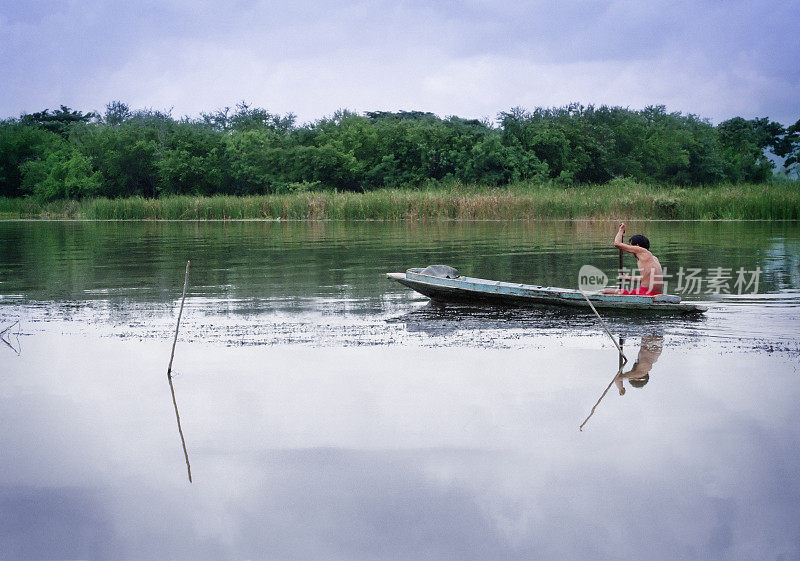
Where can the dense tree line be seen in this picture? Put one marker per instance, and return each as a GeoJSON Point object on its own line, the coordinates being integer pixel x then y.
{"type": "Point", "coordinates": [247, 150]}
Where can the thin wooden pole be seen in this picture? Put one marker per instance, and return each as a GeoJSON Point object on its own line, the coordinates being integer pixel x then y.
{"type": "Point", "coordinates": [180, 313]}
{"type": "Point", "coordinates": [619, 272]}
{"type": "Point", "coordinates": [169, 373]}
{"type": "Point", "coordinates": [619, 286]}
{"type": "Point", "coordinates": [602, 396]}
{"type": "Point", "coordinates": [622, 358]}
{"type": "Point", "coordinates": [621, 354]}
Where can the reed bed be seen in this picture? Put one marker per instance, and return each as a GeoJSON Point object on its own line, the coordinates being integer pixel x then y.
{"type": "Point", "coordinates": [618, 199]}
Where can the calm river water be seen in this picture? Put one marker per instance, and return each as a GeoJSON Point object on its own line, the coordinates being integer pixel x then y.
{"type": "Point", "coordinates": [332, 414]}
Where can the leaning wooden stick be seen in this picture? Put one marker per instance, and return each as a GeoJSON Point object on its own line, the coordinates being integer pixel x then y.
{"type": "Point", "coordinates": [169, 373]}
{"type": "Point", "coordinates": [611, 383]}
{"type": "Point", "coordinates": [619, 286]}
{"type": "Point", "coordinates": [605, 327]}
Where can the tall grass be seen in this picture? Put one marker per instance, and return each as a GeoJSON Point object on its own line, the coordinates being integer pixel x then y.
{"type": "Point", "coordinates": [618, 199]}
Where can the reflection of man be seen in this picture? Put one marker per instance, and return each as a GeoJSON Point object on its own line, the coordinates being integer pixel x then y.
{"type": "Point", "coordinates": [639, 375]}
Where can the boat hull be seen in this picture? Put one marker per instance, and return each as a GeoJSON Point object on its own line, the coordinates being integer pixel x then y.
{"type": "Point", "coordinates": [474, 290]}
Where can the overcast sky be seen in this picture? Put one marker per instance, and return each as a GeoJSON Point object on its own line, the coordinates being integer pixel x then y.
{"type": "Point", "coordinates": [467, 58]}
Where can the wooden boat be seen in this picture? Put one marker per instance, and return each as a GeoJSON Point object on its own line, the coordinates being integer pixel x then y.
{"type": "Point", "coordinates": [468, 289]}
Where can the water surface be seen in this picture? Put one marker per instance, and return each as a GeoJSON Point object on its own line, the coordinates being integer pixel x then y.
{"type": "Point", "coordinates": [332, 414]}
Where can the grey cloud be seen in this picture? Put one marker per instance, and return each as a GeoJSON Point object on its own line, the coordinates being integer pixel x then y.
{"type": "Point", "coordinates": [166, 54]}
{"type": "Point", "coordinates": [361, 504]}
{"type": "Point", "coordinates": [53, 523]}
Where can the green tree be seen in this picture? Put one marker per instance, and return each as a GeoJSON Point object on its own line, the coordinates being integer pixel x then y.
{"type": "Point", "coordinates": [59, 121]}
{"type": "Point", "coordinates": [253, 160]}
{"type": "Point", "coordinates": [117, 113]}
{"type": "Point", "coordinates": [788, 147]}
{"type": "Point", "coordinates": [744, 143]}
{"type": "Point", "coordinates": [250, 150]}
{"type": "Point", "coordinates": [193, 161]}
{"type": "Point", "coordinates": [126, 156]}
{"type": "Point", "coordinates": [62, 174]}
{"type": "Point", "coordinates": [20, 144]}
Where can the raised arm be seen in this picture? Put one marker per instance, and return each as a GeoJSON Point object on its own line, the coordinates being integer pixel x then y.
{"type": "Point", "coordinates": [624, 246]}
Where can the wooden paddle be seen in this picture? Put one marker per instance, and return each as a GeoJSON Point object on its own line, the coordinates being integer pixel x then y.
{"type": "Point", "coordinates": [622, 358]}
{"type": "Point", "coordinates": [619, 286]}
{"type": "Point", "coordinates": [611, 383]}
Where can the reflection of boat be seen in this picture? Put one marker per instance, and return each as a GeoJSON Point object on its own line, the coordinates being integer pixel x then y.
{"type": "Point", "coordinates": [461, 288]}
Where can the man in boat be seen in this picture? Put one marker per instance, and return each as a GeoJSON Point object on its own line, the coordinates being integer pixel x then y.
{"type": "Point", "coordinates": [651, 277]}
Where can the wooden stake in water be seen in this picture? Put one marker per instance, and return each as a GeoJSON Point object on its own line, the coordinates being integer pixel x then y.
{"type": "Point", "coordinates": [169, 373]}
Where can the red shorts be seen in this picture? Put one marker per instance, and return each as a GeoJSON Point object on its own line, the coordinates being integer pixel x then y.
{"type": "Point", "coordinates": [641, 291]}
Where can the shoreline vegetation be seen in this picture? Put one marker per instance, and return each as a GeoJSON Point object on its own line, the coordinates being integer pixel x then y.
{"type": "Point", "coordinates": [618, 199]}
{"type": "Point", "coordinates": [564, 162]}
{"type": "Point", "coordinates": [247, 151]}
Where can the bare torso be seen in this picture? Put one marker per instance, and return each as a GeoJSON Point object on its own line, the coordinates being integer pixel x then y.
{"type": "Point", "coordinates": [650, 271]}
